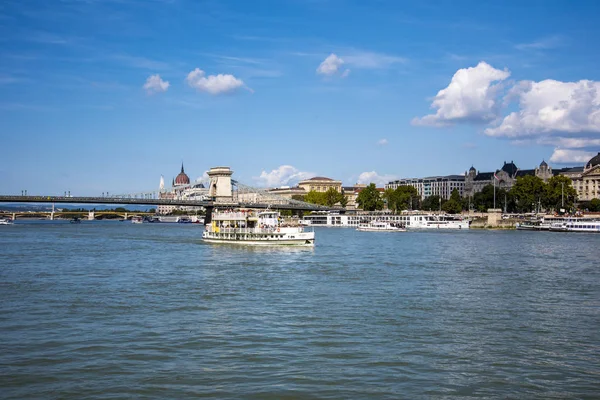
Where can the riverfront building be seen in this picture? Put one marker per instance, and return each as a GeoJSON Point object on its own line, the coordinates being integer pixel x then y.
{"type": "Point", "coordinates": [586, 179]}
{"type": "Point", "coordinates": [505, 177]}
{"type": "Point", "coordinates": [320, 184]}
{"type": "Point", "coordinates": [317, 184]}
{"type": "Point", "coordinates": [432, 186]}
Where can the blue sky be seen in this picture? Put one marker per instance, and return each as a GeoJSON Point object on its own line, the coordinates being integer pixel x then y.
{"type": "Point", "coordinates": [108, 95]}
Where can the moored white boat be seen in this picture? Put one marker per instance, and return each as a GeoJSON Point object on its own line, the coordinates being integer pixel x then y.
{"type": "Point", "coordinates": [6, 221]}
{"type": "Point", "coordinates": [380, 226]}
{"type": "Point", "coordinates": [434, 221]}
{"type": "Point", "coordinates": [576, 225]}
{"type": "Point", "coordinates": [136, 219]}
{"type": "Point", "coordinates": [254, 228]}
{"type": "Point", "coordinates": [529, 226]}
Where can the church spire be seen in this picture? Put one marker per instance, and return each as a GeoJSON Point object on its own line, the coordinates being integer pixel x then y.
{"type": "Point", "coordinates": [182, 167]}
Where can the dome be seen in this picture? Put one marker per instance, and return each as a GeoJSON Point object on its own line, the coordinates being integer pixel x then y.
{"type": "Point", "coordinates": [182, 178]}
{"type": "Point", "coordinates": [593, 162]}
{"type": "Point", "coordinates": [472, 169]}
{"type": "Point", "coordinates": [543, 164]}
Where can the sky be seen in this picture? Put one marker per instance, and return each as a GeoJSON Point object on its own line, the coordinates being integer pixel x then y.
{"type": "Point", "coordinates": [108, 95]}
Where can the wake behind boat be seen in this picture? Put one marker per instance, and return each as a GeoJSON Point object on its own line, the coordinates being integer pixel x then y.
{"type": "Point", "coordinates": [380, 226]}
{"type": "Point", "coordinates": [254, 228]}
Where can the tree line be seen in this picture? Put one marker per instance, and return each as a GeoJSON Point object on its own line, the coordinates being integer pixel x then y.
{"type": "Point", "coordinates": [528, 194]}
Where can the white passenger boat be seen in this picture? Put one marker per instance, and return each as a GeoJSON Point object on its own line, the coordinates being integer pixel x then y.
{"type": "Point", "coordinates": [576, 225]}
{"type": "Point", "coordinates": [380, 226]}
{"type": "Point", "coordinates": [255, 228]}
{"type": "Point", "coordinates": [136, 219]}
{"type": "Point", "coordinates": [6, 221]}
{"type": "Point", "coordinates": [434, 221]}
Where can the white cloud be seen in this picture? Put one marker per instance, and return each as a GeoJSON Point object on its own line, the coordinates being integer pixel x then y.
{"type": "Point", "coordinates": [576, 143]}
{"type": "Point", "coordinates": [154, 84]}
{"type": "Point", "coordinates": [213, 84]}
{"type": "Point", "coordinates": [542, 44]}
{"type": "Point", "coordinates": [371, 60]}
{"type": "Point", "coordinates": [471, 96]}
{"type": "Point", "coordinates": [567, 156]}
{"type": "Point", "coordinates": [284, 175]}
{"type": "Point", "coordinates": [204, 177]}
{"type": "Point", "coordinates": [374, 177]}
{"type": "Point", "coordinates": [382, 142]}
{"type": "Point", "coordinates": [552, 107]}
{"type": "Point", "coordinates": [330, 66]}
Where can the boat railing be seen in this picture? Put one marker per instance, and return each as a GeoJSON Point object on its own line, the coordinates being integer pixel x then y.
{"type": "Point", "coordinates": [256, 230]}
{"type": "Point", "coordinates": [233, 215]}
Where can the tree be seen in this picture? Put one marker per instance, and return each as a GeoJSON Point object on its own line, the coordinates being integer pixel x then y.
{"type": "Point", "coordinates": [404, 197]}
{"type": "Point", "coordinates": [528, 192]}
{"type": "Point", "coordinates": [389, 199]}
{"type": "Point", "coordinates": [454, 205]}
{"type": "Point", "coordinates": [315, 198]}
{"type": "Point", "coordinates": [432, 203]}
{"type": "Point", "coordinates": [594, 205]}
{"type": "Point", "coordinates": [369, 199]}
{"type": "Point", "coordinates": [558, 188]}
{"type": "Point", "coordinates": [332, 196]}
{"type": "Point", "coordinates": [484, 200]}
{"type": "Point", "coordinates": [344, 201]}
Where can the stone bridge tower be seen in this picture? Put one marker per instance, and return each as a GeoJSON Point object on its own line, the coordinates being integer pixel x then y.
{"type": "Point", "coordinates": [220, 184]}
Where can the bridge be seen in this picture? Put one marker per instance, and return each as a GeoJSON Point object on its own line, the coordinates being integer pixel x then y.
{"type": "Point", "coordinates": [222, 192]}
{"type": "Point", "coordinates": [284, 204]}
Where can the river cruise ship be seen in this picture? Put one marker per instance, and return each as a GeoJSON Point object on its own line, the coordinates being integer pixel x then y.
{"type": "Point", "coordinates": [409, 221]}
{"type": "Point", "coordinates": [560, 224]}
{"type": "Point", "coordinates": [255, 228]}
{"type": "Point", "coordinates": [576, 225]}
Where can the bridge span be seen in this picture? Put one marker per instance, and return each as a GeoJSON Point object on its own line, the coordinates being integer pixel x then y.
{"type": "Point", "coordinates": [280, 204]}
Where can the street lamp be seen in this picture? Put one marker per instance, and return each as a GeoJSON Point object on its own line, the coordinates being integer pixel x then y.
{"type": "Point", "coordinates": [562, 184]}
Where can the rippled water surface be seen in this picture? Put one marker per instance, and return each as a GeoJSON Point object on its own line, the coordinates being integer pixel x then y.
{"type": "Point", "coordinates": [117, 310]}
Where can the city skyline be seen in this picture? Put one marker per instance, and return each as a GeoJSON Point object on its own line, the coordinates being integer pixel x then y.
{"type": "Point", "coordinates": [107, 96]}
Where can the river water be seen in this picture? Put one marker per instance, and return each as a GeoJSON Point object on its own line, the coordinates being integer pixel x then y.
{"type": "Point", "coordinates": [118, 310]}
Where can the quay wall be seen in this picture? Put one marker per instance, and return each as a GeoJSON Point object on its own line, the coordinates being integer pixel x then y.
{"type": "Point", "coordinates": [482, 223]}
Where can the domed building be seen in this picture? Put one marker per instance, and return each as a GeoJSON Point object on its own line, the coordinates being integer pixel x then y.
{"type": "Point", "coordinates": [182, 178]}
{"type": "Point", "coordinates": [586, 179]}
{"type": "Point", "coordinates": [595, 161]}
{"type": "Point", "coordinates": [181, 189]}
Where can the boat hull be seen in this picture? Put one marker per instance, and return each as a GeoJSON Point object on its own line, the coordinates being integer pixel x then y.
{"type": "Point", "coordinates": [273, 238]}
{"type": "Point", "coordinates": [294, 242]}
{"type": "Point", "coordinates": [462, 225]}
{"type": "Point", "coordinates": [380, 230]}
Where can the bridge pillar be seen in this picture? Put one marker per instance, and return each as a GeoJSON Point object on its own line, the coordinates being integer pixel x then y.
{"type": "Point", "coordinates": [125, 215]}
{"type": "Point", "coordinates": [91, 215]}
{"type": "Point", "coordinates": [14, 216]}
{"type": "Point", "coordinates": [208, 216]}
{"type": "Point", "coordinates": [220, 184]}
{"type": "Point", "coordinates": [52, 213]}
